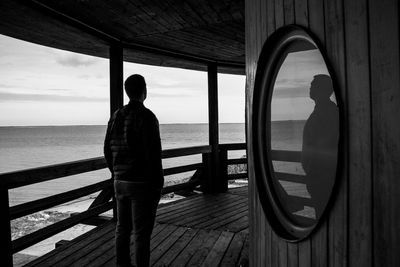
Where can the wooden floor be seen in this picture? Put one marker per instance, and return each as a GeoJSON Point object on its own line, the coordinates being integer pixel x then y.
{"type": "Point", "coordinates": [201, 230]}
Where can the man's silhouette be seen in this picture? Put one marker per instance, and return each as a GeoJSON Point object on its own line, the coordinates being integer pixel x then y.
{"type": "Point", "coordinates": [320, 143]}
{"type": "Point", "coordinates": [132, 149]}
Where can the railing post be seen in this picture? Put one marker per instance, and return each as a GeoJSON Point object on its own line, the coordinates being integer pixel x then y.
{"type": "Point", "coordinates": [5, 232]}
{"type": "Point", "coordinates": [223, 169]}
{"type": "Point", "coordinates": [206, 182]}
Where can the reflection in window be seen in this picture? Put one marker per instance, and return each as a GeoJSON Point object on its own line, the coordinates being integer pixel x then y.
{"type": "Point", "coordinates": [305, 120]}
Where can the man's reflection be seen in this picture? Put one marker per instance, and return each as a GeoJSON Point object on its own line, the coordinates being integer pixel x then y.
{"type": "Point", "coordinates": [320, 143]}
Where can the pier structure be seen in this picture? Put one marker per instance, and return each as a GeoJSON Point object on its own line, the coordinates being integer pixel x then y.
{"type": "Point", "coordinates": [358, 42]}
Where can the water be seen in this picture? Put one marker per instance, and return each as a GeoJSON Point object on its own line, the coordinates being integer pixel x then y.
{"type": "Point", "coordinates": [29, 147]}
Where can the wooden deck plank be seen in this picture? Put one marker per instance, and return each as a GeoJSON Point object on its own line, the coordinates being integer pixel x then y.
{"type": "Point", "coordinates": [201, 215]}
{"type": "Point", "coordinates": [107, 258]}
{"type": "Point", "coordinates": [232, 255]}
{"type": "Point", "coordinates": [185, 203]}
{"type": "Point", "coordinates": [162, 248]}
{"type": "Point", "coordinates": [219, 203]}
{"type": "Point", "coordinates": [161, 236]}
{"type": "Point", "coordinates": [190, 205]}
{"type": "Point", "coordinates": [201, 253]}
{"type": "Point", "coordinates": [205, 204]}
{"type": "Point", "coordinates": [165, 208]}
{"type": "Point", "coordinates": [197, 242]}
{"type": "Point", "coordinates": [227, 213]}
{"type": "Point", "coordinates": [177, 248]}
{"type": "Point", "coordinates": [237, 226]}
{"type": "Point", "coordinates": [218, 251]}
{"type": "Point", "coordinates": [86, 253]}
{"type": "Point", "coordinates": [243, 191]}
{"type": "Point", "coordinates": [96, 256]}
{"type": "Point", "coordinates": [244, 254]}
{"type": "Point", "coordinates": [228, 220]}
{"type": "Point", "coordinates": [51, 258]}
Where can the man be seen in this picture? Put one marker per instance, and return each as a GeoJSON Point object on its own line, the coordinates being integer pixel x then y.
{"type": "Point", "coordinates": [132, 149]}
{"type": "Point", "coordinates": [320, 143]}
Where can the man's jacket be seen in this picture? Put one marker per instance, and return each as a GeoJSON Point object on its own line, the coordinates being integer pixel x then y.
{"type": "Point", "coordinates": [132, 146]}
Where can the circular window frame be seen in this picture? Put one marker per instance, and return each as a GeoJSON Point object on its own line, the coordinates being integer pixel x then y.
{"type": "Point", "coordinates": [269, 64]}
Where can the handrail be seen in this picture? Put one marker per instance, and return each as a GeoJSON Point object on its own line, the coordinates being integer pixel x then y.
{"type": "Point", "coordinates": [237, 161]}
{"type": "Point", "coordinates": [16, 179]}
{"type": "Point", "coordinates": [184, 168]}
{"type": "Point", "coordinates": [185, 151]}
{"type": "Point", "coordinates": [233, 146]}
{"type": "Point", "coordinates": [286, 155]}
{"type": "Point", "coordinates": [48, 202]}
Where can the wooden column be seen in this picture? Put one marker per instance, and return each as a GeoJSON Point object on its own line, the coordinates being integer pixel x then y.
{"type": "Point", "coordinates": [116, 77]}
{"type": "Point", "coordinates": [116, 102]}
{"type": "Point", "coordinates": [5, 233]}
{"type": "Point", "coordinates": [215, 183]}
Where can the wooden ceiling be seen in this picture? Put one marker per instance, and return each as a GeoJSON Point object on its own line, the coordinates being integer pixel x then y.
{"type": "Point", "coordinates": [186, 34]}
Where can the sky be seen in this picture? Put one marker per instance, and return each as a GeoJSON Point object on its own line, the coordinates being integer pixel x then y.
{"type": "Point", "coordinates": [45, 86]}
{"type": "Point", "coordinates": [291, 95]}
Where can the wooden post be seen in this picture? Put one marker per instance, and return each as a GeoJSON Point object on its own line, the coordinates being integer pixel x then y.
{"type": "Point", "coordinates": [5, 233]}
{"type": "Point", "coordinates": [116, 77]}
{"type": "Point", "coordinates": [216, 183]}
{"type": "Point", "coordinates": [206, 185]}
{"type": "Point", "coordinates": [223, 165]}
{"type": "Point", "coordinates": [116, 93]}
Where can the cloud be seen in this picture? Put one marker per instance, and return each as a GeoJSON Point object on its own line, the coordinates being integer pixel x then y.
{"type": "Point", "coordinates": [9, 86]}
{"type": "Point", "coordinates": [290, 92]}
{"type": "Point", "coordinates": [170, 95]}
{"type": "Point", "coordinates": [75, 60]}
{"type": "Point", "coordinates": [12, 97]}
{"type": "Point", "coordinates": [157, 85]}
{"type": "Point", "coordinates": [84, 76]}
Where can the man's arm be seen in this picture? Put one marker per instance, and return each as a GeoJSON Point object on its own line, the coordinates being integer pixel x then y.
{"type": "Point", "coordinates": [107, 148]}
{"type": "Point", "coordinates": [154, 146]}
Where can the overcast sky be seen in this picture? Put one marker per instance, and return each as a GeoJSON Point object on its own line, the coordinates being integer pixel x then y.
{"type": "Point", "coordinates": [45, 86]}
{"type": "Point", "coordinates": [291, 95]}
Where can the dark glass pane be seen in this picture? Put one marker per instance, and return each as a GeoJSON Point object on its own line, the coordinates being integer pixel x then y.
{"type": "Point", "coordinates": [304, 120]}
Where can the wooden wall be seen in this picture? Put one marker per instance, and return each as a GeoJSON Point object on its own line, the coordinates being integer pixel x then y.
{"type": "Point", "coordinates": [361, 39]}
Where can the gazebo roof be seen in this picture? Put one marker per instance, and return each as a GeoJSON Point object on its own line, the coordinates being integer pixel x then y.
{"type": "Point", "coordinates": [176, 33]}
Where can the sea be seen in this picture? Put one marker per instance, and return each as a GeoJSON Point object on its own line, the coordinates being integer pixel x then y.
{"type": "Point", "coordinates": [30, 147]}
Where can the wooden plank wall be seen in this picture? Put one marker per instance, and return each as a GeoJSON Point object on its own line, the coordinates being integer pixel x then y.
{"type": "Point", "coordinates": [361, 40]}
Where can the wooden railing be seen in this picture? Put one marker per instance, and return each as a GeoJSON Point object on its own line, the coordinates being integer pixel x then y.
{"type": "Point", "coordinates": [225, 161]}
{"type": "Point", "coordinates": [100, 205]}
{"type": "Point", "coordinates": [104, 200]}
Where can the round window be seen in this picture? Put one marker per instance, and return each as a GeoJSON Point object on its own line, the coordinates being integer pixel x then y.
{"type": "Point", "coordinates": [296, 130]}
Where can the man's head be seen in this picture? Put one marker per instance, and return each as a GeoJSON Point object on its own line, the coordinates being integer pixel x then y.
{"type": "Point", "coordinates": [321, 87]}
{"type": "Point", "coordinates": [135, 87]}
